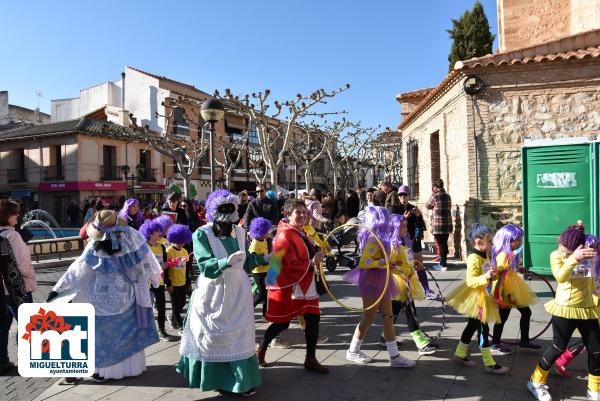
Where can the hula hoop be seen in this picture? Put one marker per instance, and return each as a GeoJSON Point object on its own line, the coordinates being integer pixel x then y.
{"type": "Point", "coordinates": [527, 276]}
{"type": "Point", "coordinates": [387, 268]}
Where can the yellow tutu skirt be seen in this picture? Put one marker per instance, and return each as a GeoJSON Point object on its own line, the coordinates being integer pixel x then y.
{"type": "Point", "coordinates": [570, 312]}
{"type": "Point", "coordinates": [474, 302]}
{"type": "Point", "coordinates": [416, 289]}
{"type": "Point", "coordinates": [517, 291]}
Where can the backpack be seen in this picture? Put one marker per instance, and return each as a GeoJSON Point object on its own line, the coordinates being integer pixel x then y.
{"type": "Point", "coordinates": [11, 277]}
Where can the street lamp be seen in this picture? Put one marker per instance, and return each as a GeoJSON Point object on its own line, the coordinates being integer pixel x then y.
{"type": "Point", "coordinates": [125, 171]}
{"type": "Point", "coordinates": [212, 111]}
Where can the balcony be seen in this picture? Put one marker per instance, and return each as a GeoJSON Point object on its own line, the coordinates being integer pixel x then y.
{"type": "Point", "coordinates": [111, 173]}
{"type": "Point", "coordinates": [148, 175]}
{"type": "Point", "coordinates": [16, 175]}
{"type": "Point", "coordinates": [54, 173]}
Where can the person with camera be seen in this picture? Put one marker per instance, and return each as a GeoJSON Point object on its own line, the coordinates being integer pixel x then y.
{"type": "Point", "coordinates": [416, 227]}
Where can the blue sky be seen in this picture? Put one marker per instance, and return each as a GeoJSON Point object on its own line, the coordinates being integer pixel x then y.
{"type": "Point", "coordinates": [381, 48]}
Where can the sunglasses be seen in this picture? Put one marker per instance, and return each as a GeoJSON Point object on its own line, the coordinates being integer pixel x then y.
{"type": "Point", "coordinates": [402, 194]}
{"type": "Point", "coordinates": [226, 208]}
{"type": "Point", "coordinates": [258, 191]}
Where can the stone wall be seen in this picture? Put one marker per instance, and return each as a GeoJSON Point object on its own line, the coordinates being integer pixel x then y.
{"type": "Point", "coordinates": [525, 23]}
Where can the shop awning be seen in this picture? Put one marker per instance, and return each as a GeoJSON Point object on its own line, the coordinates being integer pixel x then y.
{"type": "Point", "coordinates": [150, 190]}
{"type": "Point", "coordinates": [20, 194]}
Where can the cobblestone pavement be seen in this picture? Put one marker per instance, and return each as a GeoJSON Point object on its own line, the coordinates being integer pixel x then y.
{"type": "Point", "coordinates": [15, 387]}
{"type": "Point", "coordinates": [435, 377]}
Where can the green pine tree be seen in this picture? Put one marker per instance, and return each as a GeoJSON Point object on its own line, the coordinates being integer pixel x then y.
{"type": "Point", "coordinates": [471, 36]}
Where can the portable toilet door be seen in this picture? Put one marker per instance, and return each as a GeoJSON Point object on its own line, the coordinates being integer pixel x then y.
{"type": "Point", "coordinates": [558, 190]}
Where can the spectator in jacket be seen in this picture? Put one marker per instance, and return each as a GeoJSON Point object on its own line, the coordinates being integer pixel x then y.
{"type": "Point", "coordinates": [173, 205]}
{"type": "Point", "coordinates": [314, 206]}
{"type": "Point", "coordinates": [352, 204]}
{"type": "Point", "coordinates": [382, 194]}
{"type": "Point", "coordinates": [9, 214]}
{"type": "Point", "coordinates": [441, 203]}
{"type": "Point", "coordinates": [262, 206]}
{"type": "Point", "coordinates": [244, 201]}
{"type": "Point", "coordinates": [339, 207]}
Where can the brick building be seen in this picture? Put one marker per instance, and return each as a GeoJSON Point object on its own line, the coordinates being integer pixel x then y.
{"type": "Point", "coordinates": [544, 83]}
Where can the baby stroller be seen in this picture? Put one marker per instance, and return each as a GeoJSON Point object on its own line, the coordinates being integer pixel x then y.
{"type": "Point", "coordinates": [341, 238]}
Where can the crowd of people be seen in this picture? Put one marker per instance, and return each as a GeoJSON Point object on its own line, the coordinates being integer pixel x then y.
{"type": "Point", "coordinates": [136, 257]}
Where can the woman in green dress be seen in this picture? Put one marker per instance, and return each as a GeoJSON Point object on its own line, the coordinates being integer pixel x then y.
{"type": "Point", "coordinates": [218, 342]}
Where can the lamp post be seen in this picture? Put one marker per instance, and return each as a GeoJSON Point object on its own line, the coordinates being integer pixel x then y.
{"type": "Point", "coordinates": [212, 111]}
{"type": "Point", "coordinates": [125, 171]}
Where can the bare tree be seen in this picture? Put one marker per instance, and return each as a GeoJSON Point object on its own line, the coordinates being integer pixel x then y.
{"type": "Point", "coordinates": [232, 150]}
{"type": "Point", "coordinates": [310, 144]}
{"type": "Point", "coordinates": [185, 150]}
{"type": "Point", "coordinates": [349, 146]}
{"type": "Point", "coordinates": [275, 129]}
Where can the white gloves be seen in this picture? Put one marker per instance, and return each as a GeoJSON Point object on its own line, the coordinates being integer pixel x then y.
{"type": "Point", "coordinates": [237, 259]}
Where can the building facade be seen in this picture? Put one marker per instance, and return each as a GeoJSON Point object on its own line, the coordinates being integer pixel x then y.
{"type": "Point", "coordinates": [473, 142]}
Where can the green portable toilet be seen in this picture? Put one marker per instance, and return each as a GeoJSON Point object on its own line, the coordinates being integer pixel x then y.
{"type": "Point", "coordinates": [559, 187]}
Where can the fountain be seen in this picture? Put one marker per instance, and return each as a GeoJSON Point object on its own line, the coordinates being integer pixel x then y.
{"type": "Point", "coordinates": [41, 224]}
{"type": "Point", "coordinates": [40, 214]}
{"type": "Point", "coordinates": [43, 219]}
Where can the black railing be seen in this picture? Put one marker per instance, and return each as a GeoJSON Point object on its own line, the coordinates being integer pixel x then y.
{"type": "Point", "coordinates": [57, 247]}
{"type": "Point", "coordinates": [54, 173]}
{"type": "Point", "coordinates": [111, 173]}
{"type": "Point", "coordinates": [16, 175]}
{"type": "Point", "coordinates": [149, 175]}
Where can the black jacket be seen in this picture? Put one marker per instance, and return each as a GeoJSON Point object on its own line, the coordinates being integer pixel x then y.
{"type": "Point", "coordinates": [353, 206]}
{"type": "Point", "coordinates": [266, 208]}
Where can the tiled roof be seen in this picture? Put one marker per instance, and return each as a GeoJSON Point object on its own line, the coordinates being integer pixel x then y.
{"type": "Point", "coordinates": [578, 46]}
{"type": "Point", "coordinates": [81, 125]}
{"type": "Point", "coordinates": [584, 45]}
{"type": "Point", "coordinates": [413, 94]}
{"type": "Point", "coordinates": [168, 80]}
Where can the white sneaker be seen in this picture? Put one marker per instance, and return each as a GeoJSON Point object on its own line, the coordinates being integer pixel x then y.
{"type": "Point", "coordinates": [539, 391]}
{"type": "Point", "coordinates": [439, 268]}
{"type": "Point", "coordinates": [322, 339]}
{"type": "Point", "coordinates": [358, 357]}
{"type": "Point", "coordinates": [279, 342]}
{"type": "Point", "coordinates": [593, 395]}
{"type": "Point", "coordinates": [401, 362]}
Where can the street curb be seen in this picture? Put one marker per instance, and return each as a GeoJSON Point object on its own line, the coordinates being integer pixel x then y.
{"type": "Point", "coordinates": [53, 263]}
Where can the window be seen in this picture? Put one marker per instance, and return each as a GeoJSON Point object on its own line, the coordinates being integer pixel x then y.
{"type": "Point", "coordinates": [109, 163]}
{"type": "Point", "coordinates": [181, 126]}
{"type": "Point", "coordinates": [412, 167]}
{"type": "Point", "coordinates": [253, 135]}
{"type": "Point", "coordinates": [235, 134]}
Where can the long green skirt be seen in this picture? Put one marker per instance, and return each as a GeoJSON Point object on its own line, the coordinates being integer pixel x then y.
{"type": "Point", "coordinates": [236, 376]}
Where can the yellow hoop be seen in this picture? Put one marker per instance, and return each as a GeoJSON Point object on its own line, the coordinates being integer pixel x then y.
{"type": "Point", "coordinates": [387, 268]}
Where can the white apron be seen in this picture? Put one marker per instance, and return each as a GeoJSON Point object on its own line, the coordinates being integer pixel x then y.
{"type": "Point", "coordinates": [220, 323]}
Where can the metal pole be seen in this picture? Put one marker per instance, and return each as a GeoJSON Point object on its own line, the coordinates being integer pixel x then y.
{"type": "Point", "coordinates": [296, 177]}
{"type": "Point", "coordinates": [212, 157]}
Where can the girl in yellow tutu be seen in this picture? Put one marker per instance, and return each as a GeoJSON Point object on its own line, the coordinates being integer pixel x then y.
{"type": "Point", "coordinates": [575, 306]}
{"type": "Point", "coordinates": [509, 290]}
{"type": "Point", "coordinates": [403, 263]}
{"type": "Point", "coordinates": [472, 300]}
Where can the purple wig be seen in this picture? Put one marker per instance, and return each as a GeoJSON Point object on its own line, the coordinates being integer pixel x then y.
{"type": "Point", "coordinates": [179, 234]}
{"type": "Point", "coordinates": [377, 220]}
{"type": "Point", "coordinates": [217, 198]}
{"type": "Point", "coordinates": [124, 213]}
{"type": "Point", "coordinates": [165, 222]}
{"type": "Point", "coordinates": [591, 241]}
{"type": "Point", "coordinates": [573, 237]}
{"type": "Point", "coordinates": [149, 227]}
{"type": "Point", "coordinates": [501, 243]}
{"type": "Point", "coordinates": [260, 227]}
{"type": "Point", "coordinates": [396, 240]}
